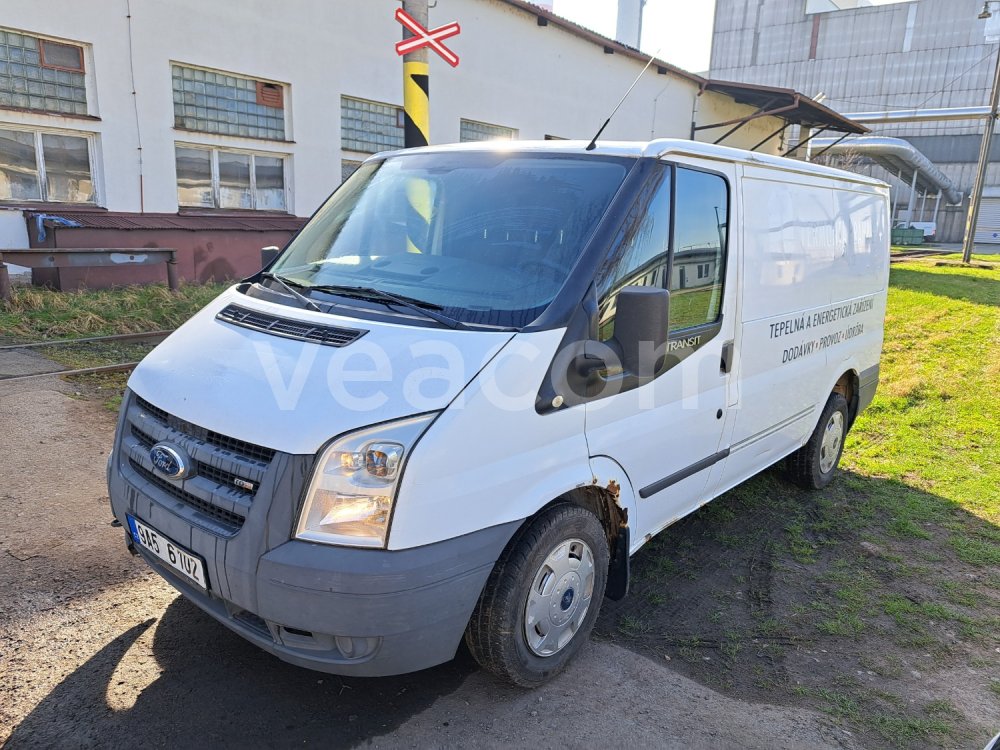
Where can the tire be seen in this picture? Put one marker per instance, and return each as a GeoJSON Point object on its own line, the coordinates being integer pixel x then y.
{"type": "Point", "coordinates": [541, 558]}
{"type": "Point", "coordinates": [813, 465]}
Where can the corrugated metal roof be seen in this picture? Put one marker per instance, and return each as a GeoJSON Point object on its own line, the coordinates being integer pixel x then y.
{"type": "Point", "coordinates": [192, 222]}
{"type": "Point", "coordinates": [798, 108]}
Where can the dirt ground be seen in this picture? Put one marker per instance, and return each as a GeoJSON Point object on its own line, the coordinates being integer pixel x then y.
{"type": "Point", "coordinates": [717, 646]}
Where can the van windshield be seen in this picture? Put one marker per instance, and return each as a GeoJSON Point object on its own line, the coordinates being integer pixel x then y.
{"type": "Point", "coordinates": [487, 238]}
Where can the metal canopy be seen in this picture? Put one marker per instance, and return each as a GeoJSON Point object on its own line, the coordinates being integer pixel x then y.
{"type": "Point", "coordinates": [791, 106]}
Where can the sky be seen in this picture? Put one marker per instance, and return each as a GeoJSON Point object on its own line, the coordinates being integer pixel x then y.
{"type": "Point", "coordinates": [680, 29]}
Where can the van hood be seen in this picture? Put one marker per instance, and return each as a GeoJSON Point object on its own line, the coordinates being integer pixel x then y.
{"type": "Point", "coordinates": [294, 396]}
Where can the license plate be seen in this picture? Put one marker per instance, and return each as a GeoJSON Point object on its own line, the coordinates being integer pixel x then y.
{"type": "Point", "coordinates": [187, 564]}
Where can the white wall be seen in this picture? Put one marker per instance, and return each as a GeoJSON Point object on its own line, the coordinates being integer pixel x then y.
{"type": "Point", "coordinates": [13, 235]}
{"type": "Point", "coordinates": [539, 80]}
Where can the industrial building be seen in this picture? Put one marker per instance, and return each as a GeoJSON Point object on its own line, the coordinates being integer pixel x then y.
{"type": "Point", "coordinates": [919, 71]}
{"type": "Point", "coordinates": [215, 128]}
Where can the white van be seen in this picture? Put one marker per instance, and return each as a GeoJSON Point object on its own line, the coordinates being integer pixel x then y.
{"type": "Point", "coordinates": [482, 377]}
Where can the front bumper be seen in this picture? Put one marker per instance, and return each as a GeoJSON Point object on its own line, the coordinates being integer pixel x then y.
{"type": "Point", "coordinates": [335, 609]}
{"type": "Point", "coordinates": [359, 612]}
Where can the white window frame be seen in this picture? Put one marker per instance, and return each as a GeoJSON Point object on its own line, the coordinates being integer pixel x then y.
{"type": "Point", "coordinates": [216, 183]}
{"type": "Point", "coordinates": [43, 180]}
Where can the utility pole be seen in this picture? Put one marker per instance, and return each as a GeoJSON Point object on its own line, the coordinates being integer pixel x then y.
{"type": "Point", "coordinates": [984, 157]}
{"type": "Point", "coordinates": [416, 129]}
{"type": "Point", "coordinates": [416, 83]}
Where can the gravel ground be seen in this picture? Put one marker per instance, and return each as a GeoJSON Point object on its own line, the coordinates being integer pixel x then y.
{"type": "Point", "coordinates": [97, 651]}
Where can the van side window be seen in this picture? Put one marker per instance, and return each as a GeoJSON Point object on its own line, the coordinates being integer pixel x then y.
{"type": "Point", "coordinates": [701, 224]}
{"type": "Point", "coordinates": [643, 252]}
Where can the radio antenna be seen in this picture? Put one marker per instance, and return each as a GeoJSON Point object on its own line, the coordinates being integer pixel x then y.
{"type": "Point", "coordinates": [593, 143]}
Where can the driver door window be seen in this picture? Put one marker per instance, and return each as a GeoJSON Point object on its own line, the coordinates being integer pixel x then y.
{"type": "Point", "coordinates": [693, 270]}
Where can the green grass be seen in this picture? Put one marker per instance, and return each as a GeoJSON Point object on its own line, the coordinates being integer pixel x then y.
{"type": "Point", "coordinates": [633, 626]}
{"type": "Point", "coordinates": [38, 314]}
{"type": "Point", "coordinates": [934, 425]}
{"type": "Point", "coordinates": [879, 711]}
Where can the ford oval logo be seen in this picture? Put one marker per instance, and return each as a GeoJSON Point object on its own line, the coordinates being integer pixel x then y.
{"type": "Point", "coordinates": [170, 461]}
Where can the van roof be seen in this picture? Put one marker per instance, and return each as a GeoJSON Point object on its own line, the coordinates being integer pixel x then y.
{"type": "Point", "coordinates": [661, 147]}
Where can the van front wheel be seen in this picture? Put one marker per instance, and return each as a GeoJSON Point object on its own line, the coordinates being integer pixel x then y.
{"type": "Point", "coordinates": [812, 466]}
{"type": "Point", "coordinates": [542, 598]}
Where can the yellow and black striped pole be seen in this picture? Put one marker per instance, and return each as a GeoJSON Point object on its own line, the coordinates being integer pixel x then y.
{"type": "Point", "coordinates": [416, 100]}
{"type": "Point", "coordinates": [416, 129]}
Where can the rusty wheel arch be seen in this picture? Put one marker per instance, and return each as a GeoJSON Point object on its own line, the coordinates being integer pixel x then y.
{"type": "Point", "coordinates": [602, 501]}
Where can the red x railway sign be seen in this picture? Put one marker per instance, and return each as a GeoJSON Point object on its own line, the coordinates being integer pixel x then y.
{"type": "Point", "coordinates": [427, 37]}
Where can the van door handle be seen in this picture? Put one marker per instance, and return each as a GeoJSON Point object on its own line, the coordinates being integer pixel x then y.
{"type": "Point", "coordinates": [726, 366]}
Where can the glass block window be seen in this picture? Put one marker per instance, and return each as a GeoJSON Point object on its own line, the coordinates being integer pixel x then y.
{"type": "Point", "coordinates": [42, 75]}
{"type": "Point", "coordinates": [368, 127]}
{"type": "Point", "coordinates": [212, 102]}
{"type": "Point", "coordinates": [347, 168]}
{"type": "Point", "coordinates": [220, 178]}
{"type": "Point", "coordinates": [482, 131]}
{"type": "Point", "coordinates": [40, 166]}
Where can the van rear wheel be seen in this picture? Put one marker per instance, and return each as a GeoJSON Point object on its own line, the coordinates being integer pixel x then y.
{"type": "Point", "coordinates": [542, 598]}
{"type": "Point", "coordinates": [813, 465]}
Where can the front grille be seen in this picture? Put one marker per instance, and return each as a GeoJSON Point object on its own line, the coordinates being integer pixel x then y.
{"type": "Point", "coordinates": [240, 448]}
{"type": "Point", "coordinates": [144, 440]}
{"type": "Point", "coordinates": [224, 478]}
{"type": "Point", "coordinates": [291, 329]}
{"type": "Point", "coordinates": [221, 477]}
{"type": "Point", "coordinates": [231, 521]}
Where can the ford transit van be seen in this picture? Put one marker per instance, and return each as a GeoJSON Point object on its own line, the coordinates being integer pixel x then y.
{"type": "Point", "coordinates": [482, 377]}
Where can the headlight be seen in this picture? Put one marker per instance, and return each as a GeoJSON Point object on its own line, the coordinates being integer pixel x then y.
{"type": "Point", "coordinates": [353, 487]}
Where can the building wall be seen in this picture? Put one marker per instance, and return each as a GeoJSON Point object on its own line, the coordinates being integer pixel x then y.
{"type": "Point", "coordinates": [907, 55]}
{"type": "Point", "coordinates": [917, 54]}
{"type": "Point", "coordinates": [539, 80]}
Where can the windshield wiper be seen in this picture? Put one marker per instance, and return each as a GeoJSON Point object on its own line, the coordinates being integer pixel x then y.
{"type": "Point", "coordinates": [287, 285]}
{"type": "Point", "coordinates": [423, 307]}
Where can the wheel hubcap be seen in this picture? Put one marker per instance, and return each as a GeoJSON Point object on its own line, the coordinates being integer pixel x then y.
{"type": "Point", "coordinates": [559, 598]}
{"type": "Point", "coordinates": [833, 437]}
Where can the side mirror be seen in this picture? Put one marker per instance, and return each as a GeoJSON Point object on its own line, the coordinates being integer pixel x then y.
{"type": "Point", "coordinates": [642, 320]}
{"type": "Point", "coordinates": [267, 254]}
